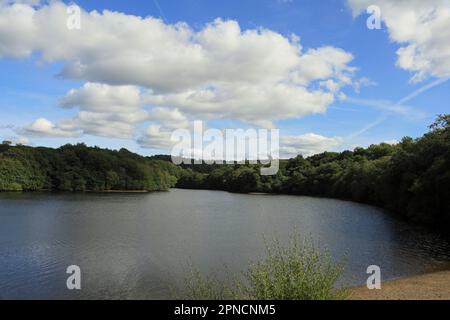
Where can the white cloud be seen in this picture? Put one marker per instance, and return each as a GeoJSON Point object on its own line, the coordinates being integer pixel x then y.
{"type": "Point", "coordinates": [156, 138]}
{"type": "Point", "coordinates": [21, 140]}
{"type": "Point", "coordinates": [220, 70]}
{"type": "Point", "coordinates": [17, 30]}
{"type": "Point", "coordinates": [103, 98]}
{"type": "Point", "coordinates": [143, 69]}
{"type": "Point", "coordinates": [109, 111]}
{"type": "Point", "coordinates": [170, 118]}
{"type": "Point", "coordinates": [29, 2]}
{"type": "Point", "coordinates": [248, 102]}
{"type": "Point", "coordinates": [361, 83]}
{"type": "Point", "coordinates": [392, 141]}
{"type": "Point", "coordinates": [18, 140]}
{"type": "Point", "coordinates": [44, 127]}
{"type": "Point", "coordinates": [307, 144]}
{"type": "Point", "coordinates": [322, 63]}
{"type": "Point", "coordinates": [116, 48]}
{"type": "Point", "coordinates": [114, 125]}
{"type": "Point", "coordinates": [423, 30]}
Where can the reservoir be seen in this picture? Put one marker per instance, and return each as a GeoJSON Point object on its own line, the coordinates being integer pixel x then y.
{"type": "Point", "coordinates": [140, 246]}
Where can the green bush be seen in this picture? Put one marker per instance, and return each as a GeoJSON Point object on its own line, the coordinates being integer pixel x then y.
{"type": "Point", "coordinates": [299, 271]}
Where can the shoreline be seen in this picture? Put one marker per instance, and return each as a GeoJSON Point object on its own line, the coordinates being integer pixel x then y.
{"type": "Point", "coordinates": [428, 286]}
{"type": "Point", "coordinates": [119, 191]}
{"type": "Point", "coordinates": [79, 192]}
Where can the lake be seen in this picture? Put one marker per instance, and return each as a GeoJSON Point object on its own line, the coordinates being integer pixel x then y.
{"type": "Point", "coordinates": [140, 245]}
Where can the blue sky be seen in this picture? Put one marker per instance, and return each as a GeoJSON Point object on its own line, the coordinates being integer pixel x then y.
{"type": "Point", "coordinates": [32, 88]}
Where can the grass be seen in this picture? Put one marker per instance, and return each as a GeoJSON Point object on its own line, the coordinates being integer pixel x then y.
{"type": "Point", "coordinates": [298, 271]}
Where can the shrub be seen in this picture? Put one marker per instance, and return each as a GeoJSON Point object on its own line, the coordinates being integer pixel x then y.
{"type": "Point", "coordinates": [300, 271]}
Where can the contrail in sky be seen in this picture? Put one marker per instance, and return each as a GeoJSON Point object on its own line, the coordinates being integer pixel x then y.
{"type": "Point", "coordinates": [160, 10]}
{"type": "Point", "coordinates": [394, 107]}
{"type": "Point", "coordinates": [422, 89]}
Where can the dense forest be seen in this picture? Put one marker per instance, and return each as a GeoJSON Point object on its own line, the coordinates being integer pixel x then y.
{"type": "Point", "coordinates": [81, 168]}
{"type": "Point", "coordinates": [411, 178]}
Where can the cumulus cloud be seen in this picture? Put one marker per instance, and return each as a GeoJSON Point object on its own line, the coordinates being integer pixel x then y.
{"type": "Point", "coordinates": [392, 142]}
{"type": "Point", "coordinates": [143, 69]}
{"type": "Point", "coordinates": [44, 127]}
{"type": "Point", "coordinates": [248, 102]}
{"type": "Point", "coordinates": [30, 2]}
{"type": "Point", "coordinates": [289, 145]}
{"type": "Point", "coordinates": [109, 111]}
{"type": "Point", "coordinates": [169, 118]}
{"type": "Point", "coordinates": [98, 97]}
{"type": "Point", "coordinates": [116, 48]}
{"type": "Point", "coordinates": [114, 125]}
{"type": "Point", "coordinates": [423, 30]}
{"type": "Point", "coordinates": [175, 60]}
{"type": "Point", "coordinates": [307, 144]}
{"type": "Point", "coordinates": [18, 140]}
{"type": "Point", "coordinates": [156, 137]}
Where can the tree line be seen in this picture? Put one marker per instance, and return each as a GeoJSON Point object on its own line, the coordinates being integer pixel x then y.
{"type": "Point", "coordinates": [79, 168]}
{"type": "Point", "coordinates": [411, 178]}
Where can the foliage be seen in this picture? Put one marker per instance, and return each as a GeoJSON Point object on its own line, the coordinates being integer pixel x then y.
{"type": "Point", "coordinates": [299, 271]}
{"type": "Point", "coordinates": [80, 168]}
{"type": "Point", "coordinates": [411, 178]}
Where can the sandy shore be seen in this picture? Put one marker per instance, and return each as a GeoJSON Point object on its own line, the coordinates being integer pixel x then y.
{"type": "Point", "coordinates": [431, 286]}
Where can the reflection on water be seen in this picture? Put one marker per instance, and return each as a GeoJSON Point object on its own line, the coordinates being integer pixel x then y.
{"type": "Point", "coordinates": [139, 245]}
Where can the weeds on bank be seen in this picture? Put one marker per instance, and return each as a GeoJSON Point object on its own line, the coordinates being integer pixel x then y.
{"type": "Point", "coordinates": [298, 271]}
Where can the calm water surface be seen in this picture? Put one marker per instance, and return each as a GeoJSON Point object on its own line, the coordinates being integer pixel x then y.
{"type": "Point", "coordinates": [139, 245]}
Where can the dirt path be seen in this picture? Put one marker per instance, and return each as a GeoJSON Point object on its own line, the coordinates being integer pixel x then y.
{"type": "Point", "coordinates": [422, 287]}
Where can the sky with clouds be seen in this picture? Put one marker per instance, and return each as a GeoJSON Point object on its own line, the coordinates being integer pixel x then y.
{"type": "Point", "coordinates": [137, 70]}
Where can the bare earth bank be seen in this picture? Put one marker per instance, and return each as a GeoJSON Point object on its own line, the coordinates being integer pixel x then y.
{"type": "Point", "coordinates": [431, 286]}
